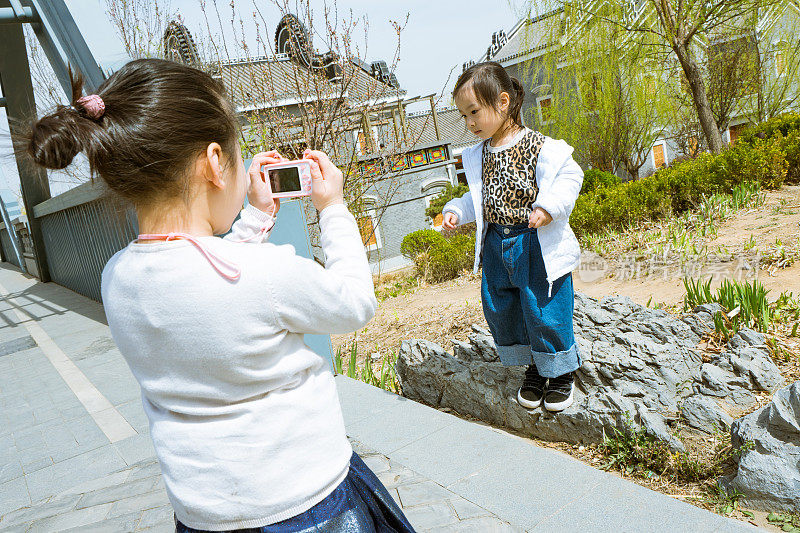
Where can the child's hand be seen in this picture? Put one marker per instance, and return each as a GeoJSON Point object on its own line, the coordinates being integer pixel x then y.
{"type": "Point", "coordinates": [450, 220]}
{"type": "Point", "coordinates": [539, 218]}
{"type": "Point", "coordinates": [259, 194]}
{"type": "Point", "coordinates": [327, 181]}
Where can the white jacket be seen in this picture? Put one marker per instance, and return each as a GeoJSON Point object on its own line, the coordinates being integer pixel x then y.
{"type": "Point", "coordinates": [559, 179]}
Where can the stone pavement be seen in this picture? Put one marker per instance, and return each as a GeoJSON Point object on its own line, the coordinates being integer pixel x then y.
{"type": "Point", "coordinates": [75, 454]}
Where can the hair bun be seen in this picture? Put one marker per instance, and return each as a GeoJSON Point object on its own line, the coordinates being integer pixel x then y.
{"type": "Point", "coordinates": [55, 139]}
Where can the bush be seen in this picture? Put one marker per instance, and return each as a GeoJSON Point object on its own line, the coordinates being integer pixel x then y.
{"type": "Point", "coordinates": [450, 192]}
{"type": "Point", "coordinates": [785, 128]}
{"type": "Point", "coordinates": [593, 179]}
{"type": "Point", "coordinates": [683, 185]}
{"type": "Point", "coordinates": [419, 242]}
{"type": "Point", "coordinates": [436, 258]}
{"type": "Point", "coordinates": [783, 124]}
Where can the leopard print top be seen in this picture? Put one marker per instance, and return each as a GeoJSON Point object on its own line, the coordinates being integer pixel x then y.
{"type": "Point", "coordinates": [509, 180]}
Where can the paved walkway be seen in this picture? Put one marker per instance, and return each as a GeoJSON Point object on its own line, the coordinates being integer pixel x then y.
{"type": "Point", "coordinates": [75, 454]}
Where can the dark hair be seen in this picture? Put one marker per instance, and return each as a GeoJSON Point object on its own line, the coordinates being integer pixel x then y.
{"type": "Point", "coordinates": [488, 80]}
{"type": "Point", "coordinates": [159, 116]}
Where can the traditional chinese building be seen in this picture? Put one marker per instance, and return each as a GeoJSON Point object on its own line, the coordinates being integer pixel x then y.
{"type": "Point", "coordinates": [399, 159]}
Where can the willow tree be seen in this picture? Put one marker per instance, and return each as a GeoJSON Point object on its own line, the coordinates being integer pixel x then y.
{"type": "Point", "coordinates": [684, 29]}
{"type": "Point", "coordinates": [606, 94]}
{"type": "Point", "coordinates": [778, 67]}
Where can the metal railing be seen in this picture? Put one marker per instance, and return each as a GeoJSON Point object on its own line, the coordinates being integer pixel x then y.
{"type": "Point", "coordinates": [8, 248]}
{"type": "Point", "coordinates": [82, 229]}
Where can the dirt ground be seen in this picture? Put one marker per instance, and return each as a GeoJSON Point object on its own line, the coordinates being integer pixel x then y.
{"type": "Point", "coordinates": [751, 237]}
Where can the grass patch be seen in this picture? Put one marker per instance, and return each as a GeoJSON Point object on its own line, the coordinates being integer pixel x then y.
{"type": "Point", "coordinates": [397, 287]}
{"type": "Point", "coordinates": [634, 452]}
{"type": "Point", "coordinates": [744, 304]}
{"type": "Point", "coordinates": [380, 373]}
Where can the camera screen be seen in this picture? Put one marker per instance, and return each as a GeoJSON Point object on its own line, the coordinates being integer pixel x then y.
{"type": "Point", "coordinates": [285, 179]}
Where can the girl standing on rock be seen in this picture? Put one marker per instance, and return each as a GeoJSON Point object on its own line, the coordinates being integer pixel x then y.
{"type": "Point", "coordinates": [523, 186]}
{"type": "Point", "coordinates": [244, 417]}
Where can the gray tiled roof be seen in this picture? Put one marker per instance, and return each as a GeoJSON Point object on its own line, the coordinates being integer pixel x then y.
{"type": "Point", "coordinates": [526, 36]}
{"type": "Point", "coordinates": [257, 82]}
{"type": "Point", "coordinates": [451, 128]}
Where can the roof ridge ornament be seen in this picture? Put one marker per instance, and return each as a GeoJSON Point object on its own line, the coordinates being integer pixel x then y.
{"type": "Point", "coordinates": [499, 40]}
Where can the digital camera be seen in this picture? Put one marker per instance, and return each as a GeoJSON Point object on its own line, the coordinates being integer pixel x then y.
{"type": "Point", "coordinates": [289, 179]}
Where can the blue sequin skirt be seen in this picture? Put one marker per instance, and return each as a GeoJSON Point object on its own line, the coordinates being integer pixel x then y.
{"type": "Point", "coordinates": [360, 504]}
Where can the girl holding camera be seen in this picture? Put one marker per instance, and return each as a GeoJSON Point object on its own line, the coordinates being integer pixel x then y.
{"type": "Point", "coordinates": [244, 417]}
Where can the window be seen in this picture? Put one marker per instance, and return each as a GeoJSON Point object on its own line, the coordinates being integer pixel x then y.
{"type": "Point", "coordinates": [694, 145]}
{"type": "Point", "coordinates": [368, 227]}
{"type": "Point", "coordinates": [659, 160]}
{"type": "Point", "coordinates": [780, 62]}
{"type": "Point", "coordinates": [361, 142]}
{"type": "Point", "coordinates": [545, 109]}
{"type": "Point", "coordinates": [735, 131]}
{"type": "Point", "coordinates": [649, 83]}
{"type": "Point", "coordinates": [431, 189]}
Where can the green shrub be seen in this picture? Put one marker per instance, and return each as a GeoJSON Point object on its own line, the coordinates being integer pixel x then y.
{"type": "Point", "coordinates": [684, 184]}
{"type": "Point", "coordinates": [791, 147]}
{"type": "Point", "coordinates": [783, 124]}
{"type": "Point", "coordinates": [450, 192]}
{"type": "Point", "coordinates": [764, 162]}
{"type": "Point", "coordinates": [419, 242]}
{"type": "Point", "coordinates": [787, 129]}
{"type": "Point", "coordinates": [593, 179]}
{"type": "Point", "coordinates": [436, 258]}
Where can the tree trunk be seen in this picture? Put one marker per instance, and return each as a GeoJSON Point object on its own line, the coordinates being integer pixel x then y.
{"type": "Point", "coordinates": [699, 97]}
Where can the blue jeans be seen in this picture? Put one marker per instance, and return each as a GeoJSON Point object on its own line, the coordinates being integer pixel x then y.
{"type": "Point", "coordinates": [528, 325]}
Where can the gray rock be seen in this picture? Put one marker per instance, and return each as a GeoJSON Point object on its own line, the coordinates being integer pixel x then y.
{"type": "Point", "coordinates": [753, 338]}
{"type": "Point", "coordinates": [636, 360]}
{"type": "Point", "coordinates": [705, 314]}
{"type": "Point", "coordinates": [705, 414]}
{"type": "Point", "coordinates": [768, 472]}
{"type": "Point", "coordinates": [756, 365]}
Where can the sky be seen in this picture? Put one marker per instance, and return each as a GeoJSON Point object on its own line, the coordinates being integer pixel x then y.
{"type": "Point", "coordinates": [438, 37]}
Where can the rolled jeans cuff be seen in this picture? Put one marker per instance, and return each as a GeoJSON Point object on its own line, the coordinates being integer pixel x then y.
{"type": "Point", "coordinates": [554, 364]}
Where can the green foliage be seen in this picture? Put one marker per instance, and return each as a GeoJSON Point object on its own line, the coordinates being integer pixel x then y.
{"type": "Point", "coordinates": [419, 242]}
{"type": "Point", "coordinates": [786, 522]}
{"type": "Point", "coordinates": [635, 452]}
{"type": "Point", "coordinates": [384, 377]}
{"type": "Point", "coordinates": [744, 304]}
{"type": "Point", "coordinates": [725, 503]}
{"type": "Point", "coordinates": [783, 124]}
{"type": "Point", "coordinates": [683, 186]}
{"type": "Point", "coordinates": [392, 290]}
{"type": "Point", "coordinates": [447, 259]}
{"type": "Point", "coordinates": [593, 179]}
{"type": "Point", "coordinates": [747, 194]}
{"type": "Point", "coordinates": [438, 258]}
{"type": "Point", "coordinates": [785, 129]}
{"type": "Point", "coordinates": [450, 192]}
{"type": "Point", "coordinates": [697, 293]}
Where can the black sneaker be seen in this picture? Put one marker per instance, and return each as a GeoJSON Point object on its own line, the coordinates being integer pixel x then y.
{"type": "Point", "coordinates": [559, 393]}
{"type": "Point", "coordinates": [532, 390]}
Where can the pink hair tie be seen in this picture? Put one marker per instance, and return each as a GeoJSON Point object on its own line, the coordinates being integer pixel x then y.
{"type": "Point", "coordinates": [93, 105]}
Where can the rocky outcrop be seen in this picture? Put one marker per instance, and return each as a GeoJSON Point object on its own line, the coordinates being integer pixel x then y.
{"type": "Point", "coordinates": [768, 472]}
{"type": "Point", "coordinates": [636, 360]}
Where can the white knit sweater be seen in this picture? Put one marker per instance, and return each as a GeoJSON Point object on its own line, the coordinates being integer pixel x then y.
{"type": "Point", "coordinates": [244, 417]}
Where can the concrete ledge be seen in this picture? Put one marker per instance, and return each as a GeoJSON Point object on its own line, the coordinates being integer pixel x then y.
{"type": "Point", "coordinates": [533, 488]}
